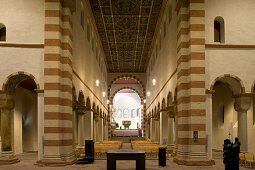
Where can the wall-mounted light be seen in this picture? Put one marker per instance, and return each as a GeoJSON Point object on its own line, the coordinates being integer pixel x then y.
{"type": "Point", "coordinates": [110, 106]}
{"type": "Point", "coordinates": [148, 93]}
{"type": "Point", "coordinates": [103, 94]}
{"type": "Point", "coordinates": [144, 101]}
{"type": "Point", "coordinates": [107, 101]}
{"type": "Point", "coordinates": [154, 82]}
{"type": "Point", "coordinates": [97, 82]}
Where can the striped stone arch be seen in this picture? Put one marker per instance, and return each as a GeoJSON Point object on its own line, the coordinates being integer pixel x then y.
{"type": "Point", "coordinates": [16, 78]}
{"type": "Point", "coordinates": [226, 78]}
{"type": "Point", "coordinates": [122, 88]}
{"type": "Point", "coordinates": [127, 76]}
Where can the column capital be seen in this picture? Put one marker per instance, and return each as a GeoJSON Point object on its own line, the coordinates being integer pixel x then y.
{"type": "Point", "coordinates": [5, 101]}
{"type": "Point", "coordinates": [242, 103]}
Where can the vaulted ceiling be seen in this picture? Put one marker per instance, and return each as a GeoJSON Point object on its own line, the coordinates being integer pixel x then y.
{"type": "Point", "coordinates": [126, 29]}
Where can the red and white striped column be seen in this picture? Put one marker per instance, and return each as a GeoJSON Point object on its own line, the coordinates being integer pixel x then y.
{"type": "Point", "coordinates": [58, 84]}
{"type": "Point", "coordinates": [191, 97]}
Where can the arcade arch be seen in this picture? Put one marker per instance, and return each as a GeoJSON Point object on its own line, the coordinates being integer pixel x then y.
{"type": "Point", "coordinates": [19, 113]}
{"type": "Point", "coordinates": [229, 111]}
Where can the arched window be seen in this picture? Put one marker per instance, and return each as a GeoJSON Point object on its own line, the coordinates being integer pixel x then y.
{"type": "Point", "coordinates": [119, 113]}
{"type": "Point", "coordinates": [82, 16]}
{"type": "Point", "coordinates": [219, 30]}
{"type": "Point", "coordinates": [2, 32]}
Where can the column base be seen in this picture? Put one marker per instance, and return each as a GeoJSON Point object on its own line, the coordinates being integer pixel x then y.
{"type": "Point", "coordinates": [44, 163]}
{"type": "Point", "coordinates": [7, 158]}
{"type": "Point", "coordinates": [194, 162]}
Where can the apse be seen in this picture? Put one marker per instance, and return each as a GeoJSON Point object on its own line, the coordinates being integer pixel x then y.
{"type": "Point", "coordinates": [127, 110]}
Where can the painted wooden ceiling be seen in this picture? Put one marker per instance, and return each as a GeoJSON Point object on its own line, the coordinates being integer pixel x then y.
{"type": "Point", "coordinates": [126, 29]}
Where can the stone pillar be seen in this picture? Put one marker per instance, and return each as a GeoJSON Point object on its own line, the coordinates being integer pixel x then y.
{"type": "Point", "coordinates": [242, 105]}
{"type": "Point", "coordinates": [152, 128]}
{"type": "Point", "coordinates": [157, 130]}
{"type": "Point", "coordinates": [105, 129]}
{"type": "Point", "coordinates": [6, 105]}
{"type": "Point", "coordinates": [209, 124]}
{"type": "Point", "coordinates": [58, 52]}
{"type": "Point", "coordinates": [88, 125]}
{"type": "Point", "coordinates": [170, 127]}
{"type": "Point", "coordinates": [81, 127]}
{"type": "Point", "coordinates": [40, 112]}
{"type": "Point", "coordinates": [75, 129]}
{"type": "Point", "coordinates": [191, 100]}
{"type": "Point", "coordinates": [6, 129]}
{"type": "Point", "coordinates": [101, 130]}
{"type": "Point", "coordinates": [164, 127]}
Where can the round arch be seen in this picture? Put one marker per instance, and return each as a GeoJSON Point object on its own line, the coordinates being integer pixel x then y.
{"type": "Point", "coordinates": [129, 88]}
{"type": "Point", "coordinates": [126, 76]}
{"type": "Point", "coordinates": [169, 99]}
{"type": "Point", "coordinates": [81, 99]}
{"type": "Point", "coordinates": [234, 82]}
{"type": "Point", "coordinates": [163, 103]}
{"type": "Point", "coordinates": [14, 79]}
{"type": "Point", "coordinates": [88, 103]}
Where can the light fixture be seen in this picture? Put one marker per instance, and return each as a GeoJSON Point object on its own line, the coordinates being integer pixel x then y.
{"type": "Point", "coordinates": [154, 82]}
{"type": "Point", "coordinates": [103, 94]}
{"type": "Point", "coordinates": [148, 93]}
{"type": "Point", "coordinates": [97, 82]}
{"type": "Point", "coordinates": [107, 101]}
{"type": "Point", "coordinates": [110, 106]}
{"type": "Point", "coordinates": [144, 101]}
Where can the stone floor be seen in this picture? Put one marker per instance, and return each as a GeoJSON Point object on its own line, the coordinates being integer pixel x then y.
{"type": "Point", "coordinates": [27, 161]}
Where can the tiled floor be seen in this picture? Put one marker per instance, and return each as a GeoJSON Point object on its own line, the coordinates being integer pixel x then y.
{"type": "Point", "coordinates": [27, 161]}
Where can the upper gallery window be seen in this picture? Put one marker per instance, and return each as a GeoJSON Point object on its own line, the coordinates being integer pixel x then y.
{"type": "Point", "coordinates": [119, 113]}
{"type": "Point", "coordinates": [219, 30]}
{"type": "Point", "coordinates": [2, 32]}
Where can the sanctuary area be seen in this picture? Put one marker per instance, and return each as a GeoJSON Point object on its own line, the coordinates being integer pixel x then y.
{"type": "Point", "coordinates": [126, 74]}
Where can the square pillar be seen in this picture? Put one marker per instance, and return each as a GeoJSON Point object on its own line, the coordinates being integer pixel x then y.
{"type": "Point", "coordinates": [191, 99]}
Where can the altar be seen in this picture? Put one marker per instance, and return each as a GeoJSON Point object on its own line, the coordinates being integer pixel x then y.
{"type": "Point", "coordinates": [125, 132]}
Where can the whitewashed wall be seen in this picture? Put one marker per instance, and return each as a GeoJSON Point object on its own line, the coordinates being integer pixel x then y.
{"type": "Point", "coordinates": [127, 101]}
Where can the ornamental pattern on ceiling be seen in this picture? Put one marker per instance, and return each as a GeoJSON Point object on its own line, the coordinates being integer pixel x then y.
{"type": "Point", "coordinates": [126, 29]}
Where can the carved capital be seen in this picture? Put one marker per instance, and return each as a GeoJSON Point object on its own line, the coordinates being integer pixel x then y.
{"type": "Point", "coordinates": [6, 102]}
{"type": "Point", "coordinates": [242, 104]}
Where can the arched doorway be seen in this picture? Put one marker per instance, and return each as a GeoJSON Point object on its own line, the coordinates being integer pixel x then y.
{"type": "Point", "coordinates": [126, 113]}
{"type": "Point", "coordinates": [19, 121]}
{"type": "Point", "coordinates": [228, 122]}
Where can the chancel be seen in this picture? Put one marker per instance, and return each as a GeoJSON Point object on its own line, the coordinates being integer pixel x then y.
{"type": "Point", "coordinates": [129, 77]}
